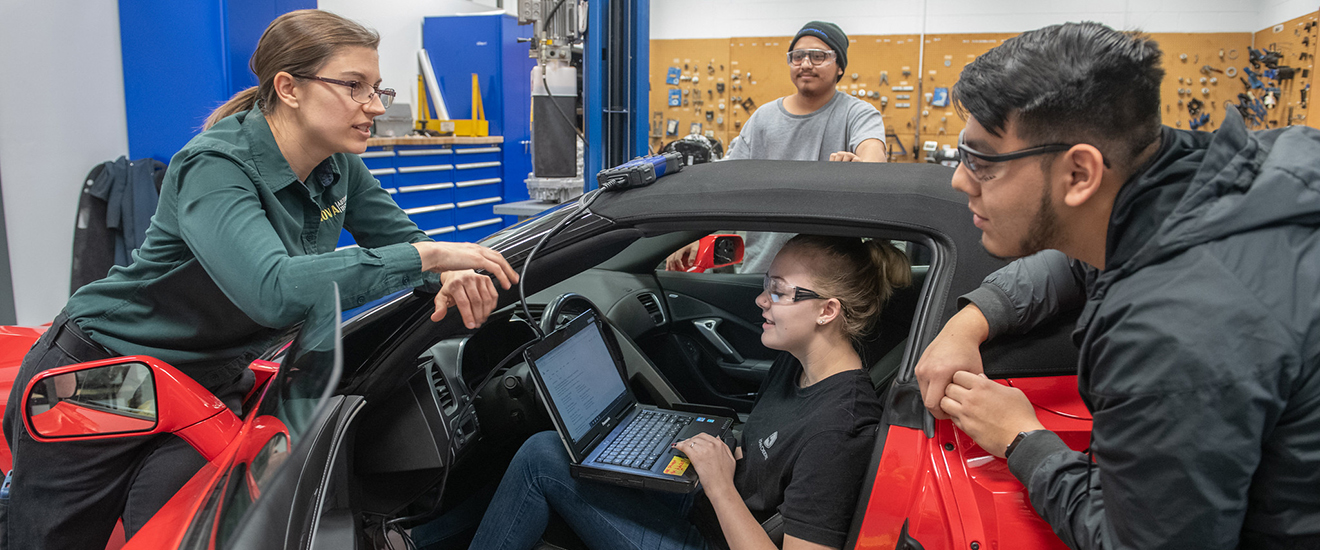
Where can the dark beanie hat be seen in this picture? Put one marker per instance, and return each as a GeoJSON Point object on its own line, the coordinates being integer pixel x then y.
{"type": "Point", "coordinates": [831, 35]}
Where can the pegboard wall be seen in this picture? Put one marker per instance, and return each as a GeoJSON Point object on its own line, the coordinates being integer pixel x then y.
{"type": "Point", "coordinates": [1286, 56]}
{"type": "Point", "coordinates": [712, 86]}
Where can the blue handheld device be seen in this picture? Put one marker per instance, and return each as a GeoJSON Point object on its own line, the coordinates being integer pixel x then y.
{"type": "Point", "coordinates": [639, 171]}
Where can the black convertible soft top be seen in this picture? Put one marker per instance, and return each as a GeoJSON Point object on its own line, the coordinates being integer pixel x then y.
{"type": "Point", "coordinates": [918, 194]}
{"type": "Point", "coordinates": [765, 194]}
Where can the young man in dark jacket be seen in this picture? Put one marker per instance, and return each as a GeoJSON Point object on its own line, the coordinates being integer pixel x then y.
{"type": "Point", "coordinates": [1197, 271]}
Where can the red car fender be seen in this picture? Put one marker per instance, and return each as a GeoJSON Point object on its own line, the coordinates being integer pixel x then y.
{"type": "Point", "coordinates": [951, 494]}
{"type": "Point", "coordinates": [167, 528]}
{"type": "Point", "coordinates": [14, 345]}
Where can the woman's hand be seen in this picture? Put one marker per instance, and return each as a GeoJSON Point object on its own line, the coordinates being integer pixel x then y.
{"type": "Point", "coordinates": [439, 257]}
{"type": "Point", "coordinates": [713, 461]}
{"type": "Point", "coordinates": [474, 294]}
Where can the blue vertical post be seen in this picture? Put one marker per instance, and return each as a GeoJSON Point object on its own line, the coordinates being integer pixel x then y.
{"type": "Point", "coordinates": [616, 83]}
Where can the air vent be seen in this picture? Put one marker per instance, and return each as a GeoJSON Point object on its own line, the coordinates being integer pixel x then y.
{"type": "Point", "coordinates": [536, 309]}
{"type": "Point", "coordinates": [443, 395]}
{"type": "Point", "coordinates": [652, 306]}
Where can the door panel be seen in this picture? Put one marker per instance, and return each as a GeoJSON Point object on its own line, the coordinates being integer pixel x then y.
{"type": "Point", "coordinates": [713, 352]}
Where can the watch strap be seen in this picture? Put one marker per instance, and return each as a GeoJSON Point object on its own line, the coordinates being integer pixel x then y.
{"type": "Point", "coordinates": [1013, 445]}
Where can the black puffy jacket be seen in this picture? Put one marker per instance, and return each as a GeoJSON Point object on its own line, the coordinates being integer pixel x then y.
{"type": "Point", "coordinates": [1199, 352]}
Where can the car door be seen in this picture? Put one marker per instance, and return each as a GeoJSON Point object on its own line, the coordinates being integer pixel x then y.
{"type": "Point", "coordinates": [270, 490]}
{"type": "Point", "coordinates": [713, 352]}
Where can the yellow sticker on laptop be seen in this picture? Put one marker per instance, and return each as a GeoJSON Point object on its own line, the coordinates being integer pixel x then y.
{"type": "Point", "coordinates": [677, 466]}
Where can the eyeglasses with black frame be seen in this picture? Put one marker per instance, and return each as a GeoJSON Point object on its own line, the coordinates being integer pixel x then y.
{"type": "Point", "coordinates": [817, 57]}
{"type": "Point", "coordinates": [783, 293]}
{"type": "Point", "coordinates": [984, 165]}
{"type": "Point", "coordinates": [361, 92]}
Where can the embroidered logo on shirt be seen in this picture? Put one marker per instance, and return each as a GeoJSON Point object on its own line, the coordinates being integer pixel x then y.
{"type": "Point", "coordinates": [766, 444]}
{"type": "Point", "coordinates": [334, 210]}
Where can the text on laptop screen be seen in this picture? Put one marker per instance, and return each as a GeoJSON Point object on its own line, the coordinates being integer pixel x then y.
{"type": "Point", "coordinates": [582, 379]}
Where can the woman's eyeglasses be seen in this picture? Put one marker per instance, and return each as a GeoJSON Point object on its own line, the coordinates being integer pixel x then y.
{"type": "Point", "coordinates": [783, 293]}
{"type": "Point", "coordinates": [361, 92]}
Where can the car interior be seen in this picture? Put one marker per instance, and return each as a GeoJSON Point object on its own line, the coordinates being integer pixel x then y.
{"type": "Point", "coordinates": [439, 442]}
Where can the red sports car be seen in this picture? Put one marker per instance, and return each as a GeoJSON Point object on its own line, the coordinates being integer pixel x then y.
{"type": "Point", "coordinates": [368, 423]}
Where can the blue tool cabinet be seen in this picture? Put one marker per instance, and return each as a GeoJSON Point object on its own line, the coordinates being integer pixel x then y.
{"type": "Point", "coordinates": [449, 191]}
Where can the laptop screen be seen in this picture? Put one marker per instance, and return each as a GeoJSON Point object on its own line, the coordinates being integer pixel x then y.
{"type": "Point", "coordinates": [581, 377]}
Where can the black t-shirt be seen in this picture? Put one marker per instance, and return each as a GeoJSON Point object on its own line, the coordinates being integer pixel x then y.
{"type": "Point", "coordinates": [805, 451]}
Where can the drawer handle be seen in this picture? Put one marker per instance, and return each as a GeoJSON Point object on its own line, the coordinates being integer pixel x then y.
{"type": "Point", "coordinates": [472, 165]}
{"type": "Point", "coordinates": [471, 225]}
{"type": "Point", "coordinates": [427, 168]}
{"type": "Point", "coordinates": [479, 202]}
{"type": "Point", "coordinates": [376, 154]}
{"type": "Point", "coordinates": [477, 150]}
{"type": "Point", "coordinates": [440, 231]}
{"type": "Point", "coordinates": [474, 183]}
{"type": "Point", "coordinates": [424, 152]}
{"type": "Point", "coordinates": [425, 209]}
{"type": "Point", "coordinates": [381, 171]}
{"type": "Point", "coordinates": [427, 187]}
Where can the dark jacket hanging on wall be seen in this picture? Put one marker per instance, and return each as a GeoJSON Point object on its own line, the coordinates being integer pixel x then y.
{"type": "Point", "coordinates": [117, 202]}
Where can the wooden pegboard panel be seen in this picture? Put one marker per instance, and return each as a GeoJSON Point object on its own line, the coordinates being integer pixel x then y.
{"type": "Point", "coordinates": [1296, 41]}
{"type": "Point", "coordinates": [946, 55]}
{"type": "Point", "coordinates": [760, 74]}
{"type": "Point", "coordinates": [756, 70]}
{"type": "Point", "coordinates": [706, 60]}
{"type": "Point", "coordinates": [1197, 67]}
{"type": "Point", "coordinates": [879, 63]}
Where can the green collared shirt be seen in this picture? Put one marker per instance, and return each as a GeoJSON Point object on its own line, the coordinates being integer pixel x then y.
{"type": "Point", "coordinates": [239, 249]}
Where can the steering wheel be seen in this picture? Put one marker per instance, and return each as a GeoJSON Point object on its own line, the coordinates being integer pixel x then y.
{"type": "Point", "coordinates": [564, 308]}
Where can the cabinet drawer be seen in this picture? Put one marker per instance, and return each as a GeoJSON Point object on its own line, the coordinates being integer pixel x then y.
{"type": "Point", "coordinates": [424, 177]}
{"type": "Point", "coordinates": [387, 182]}
{"type": "Point", "coordinates": [476, 153]}
{"type": "Point", "coordinates": [476, 189]}
{"type": "Point", "coordinates": [375, 158]}
{"type": "Point", "coordinates": [433, 220]}
{"type": "Point", "coordinates": [443, 233]}
{"type": "Point", "coordinates": [476, 210]}
{"type": "Point", "coordinates": [467, 171]}
{"type": "Point", "coordinates": [422, 156]}
{"type": "Point", "coordinates": [422, 199]}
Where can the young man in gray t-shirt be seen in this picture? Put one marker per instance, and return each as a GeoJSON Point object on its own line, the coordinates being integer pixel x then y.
{"type": "Point", "coordinates": [818, 122]}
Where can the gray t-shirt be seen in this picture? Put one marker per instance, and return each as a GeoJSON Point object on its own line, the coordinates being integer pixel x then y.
{"type": "Point", "coordinates": [772, 133]}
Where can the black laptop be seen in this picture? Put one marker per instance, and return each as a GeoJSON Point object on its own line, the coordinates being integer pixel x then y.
{"type": "Point", "coordinates": [610, 437]}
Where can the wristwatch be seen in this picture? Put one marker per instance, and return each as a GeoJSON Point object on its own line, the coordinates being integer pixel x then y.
{"type": "Point", "coordinates": [1020, 436]}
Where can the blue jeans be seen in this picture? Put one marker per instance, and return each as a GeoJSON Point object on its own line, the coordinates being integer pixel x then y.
{"type": "Point", "coordinates": [604, 516]}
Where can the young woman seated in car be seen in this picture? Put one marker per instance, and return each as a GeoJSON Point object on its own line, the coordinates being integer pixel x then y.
{"type": "Point", "coordinates": [805, 447]}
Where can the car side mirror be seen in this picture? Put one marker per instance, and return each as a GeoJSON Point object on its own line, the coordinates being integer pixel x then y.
{"type": "Point", "coordinates": [126, 397]}
{"type": "Point", "coordinates": [715, 251]}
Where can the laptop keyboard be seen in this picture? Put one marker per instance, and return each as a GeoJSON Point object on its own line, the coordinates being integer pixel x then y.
{"type": "Point", "coordinates": [644, 440]}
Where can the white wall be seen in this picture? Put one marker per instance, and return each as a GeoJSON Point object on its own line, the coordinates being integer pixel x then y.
{"type": "Point", "coordinates": [399, 23]}
{"type": "Point", "coordinates": [706, 19]}
{"type": "Point", "coordinates": [63, 59]}
{"type": "Point", "coordinates": [1273, 12]}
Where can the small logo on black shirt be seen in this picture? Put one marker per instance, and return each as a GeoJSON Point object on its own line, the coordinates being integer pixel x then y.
{"type": "Point", "coordinates": [766, 444]}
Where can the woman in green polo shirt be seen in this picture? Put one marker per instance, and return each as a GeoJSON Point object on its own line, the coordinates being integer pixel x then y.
{"type": "Point", "coordinates": [242, 242]}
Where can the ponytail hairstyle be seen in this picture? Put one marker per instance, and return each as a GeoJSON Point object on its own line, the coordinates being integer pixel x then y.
{"type": "Point", "coordinates": [860, 274]}
{"type": "Point", "coordinates": [298, 42]}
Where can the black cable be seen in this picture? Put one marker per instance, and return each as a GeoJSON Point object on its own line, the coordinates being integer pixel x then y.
{"type": "Point", "coordinates": [583, 203]}
{"type": "Point", "coordinates": [571, 123]}
{"type": "Point", "coordinates": [553, 11]}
